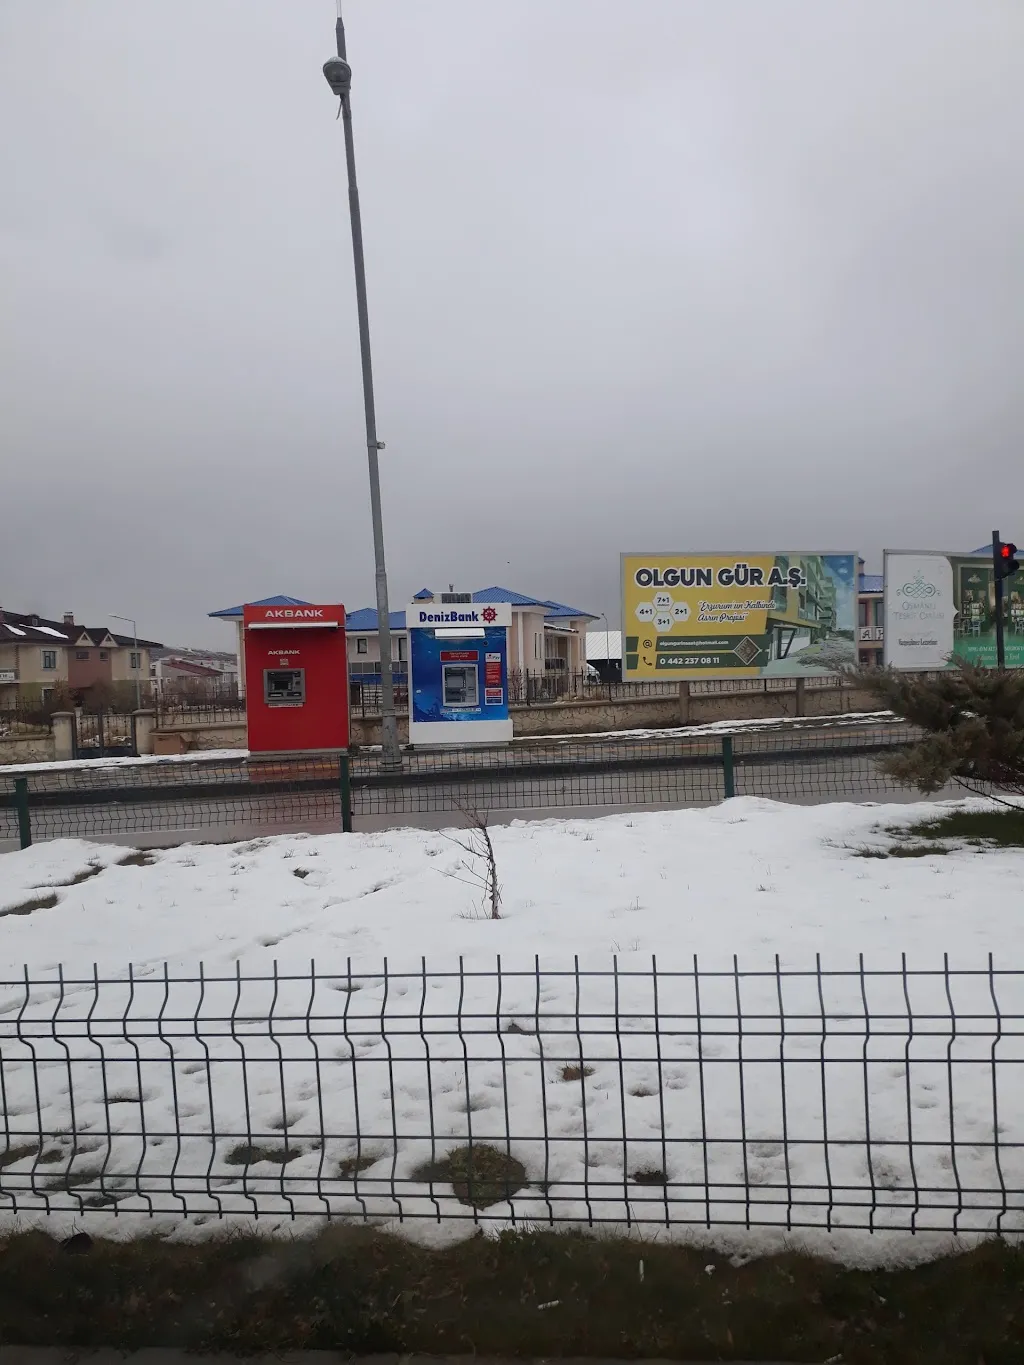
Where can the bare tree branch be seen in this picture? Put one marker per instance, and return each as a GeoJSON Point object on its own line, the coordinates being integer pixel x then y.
{"type": "Point", "coordinates": [480, 848]}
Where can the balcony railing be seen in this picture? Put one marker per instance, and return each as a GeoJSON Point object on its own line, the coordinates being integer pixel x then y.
{"type": "Point", "coordinates": [865, 633]}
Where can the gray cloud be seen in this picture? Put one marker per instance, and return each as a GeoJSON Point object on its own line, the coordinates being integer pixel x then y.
{"type": "Point", "coordinates": [673, 275]}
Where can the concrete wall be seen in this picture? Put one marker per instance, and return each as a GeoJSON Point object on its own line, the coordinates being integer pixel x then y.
{"type": "Point", "coordinates": [582, 717]}
{"type": "Point", "coordinates": [231, 735]}
{"type": "Point", "coordinates": [181, 739]}
{"type": "Point", "coordinates": [33, 749]}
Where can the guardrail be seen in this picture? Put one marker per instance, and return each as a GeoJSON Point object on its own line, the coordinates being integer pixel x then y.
{"type": "Point", "coordinates": [802, 763]}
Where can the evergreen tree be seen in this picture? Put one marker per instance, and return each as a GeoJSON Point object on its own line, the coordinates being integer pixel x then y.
{"type": "Point", "coordinates": [973, 724]}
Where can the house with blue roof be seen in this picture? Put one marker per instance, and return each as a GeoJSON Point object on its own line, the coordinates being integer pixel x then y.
{"type": "Point", "coordinates": [547, 640]}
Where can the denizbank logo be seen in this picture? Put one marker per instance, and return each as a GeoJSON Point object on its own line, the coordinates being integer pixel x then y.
{"type": "Point", "coordinates": [452, 618]}
{"type": "Point", "coordinates": [919, 588]}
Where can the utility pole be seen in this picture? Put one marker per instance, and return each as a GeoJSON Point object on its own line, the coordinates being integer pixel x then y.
{"type": "Point", "coordinates": [339, 78]}
{"type": "Point", "coordinates": [136, 656]}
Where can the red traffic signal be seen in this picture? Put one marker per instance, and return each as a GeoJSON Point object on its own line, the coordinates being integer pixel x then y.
{"type": "Point", "coordinates": [1006, 559]}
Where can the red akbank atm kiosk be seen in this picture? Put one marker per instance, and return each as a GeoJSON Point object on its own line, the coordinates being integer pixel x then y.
{"type": "Point", "coordinates": [296, 679]}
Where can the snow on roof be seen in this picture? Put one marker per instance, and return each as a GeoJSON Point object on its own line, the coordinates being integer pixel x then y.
{"type": "Point", "coordinates": [49, 630]}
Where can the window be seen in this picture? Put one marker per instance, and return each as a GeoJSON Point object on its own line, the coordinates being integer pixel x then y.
{"type": "Point", "coordinates": [361, 644]}
{"type": "Point", "coordinates": [862, 610]}
{"type": "Point", "coordinates": [400, 646]}
{"type": "Point", "coordinates": [104, 654]}
{"type": "Point", "coordinates": [135, 662]}
{"type": "Point", "coordinates": [49, 658]}
{"type": "Point", "coordinates": [46, 693]}
{"type": "Point", "coordinates": [81, 654]}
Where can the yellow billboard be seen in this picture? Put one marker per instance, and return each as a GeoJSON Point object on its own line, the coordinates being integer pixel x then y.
{"type": "Point", "coordinates": [789, 614]}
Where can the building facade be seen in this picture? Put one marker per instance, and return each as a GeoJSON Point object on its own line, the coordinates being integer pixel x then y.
{"type": "Point", "coordinates": [870, 619]}
{"type": "Point", "coordinates": [547, 639]}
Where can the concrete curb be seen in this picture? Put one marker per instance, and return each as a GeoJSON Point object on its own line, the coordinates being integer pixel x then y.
{"type": "Point", "coordinates": [63, 1355]}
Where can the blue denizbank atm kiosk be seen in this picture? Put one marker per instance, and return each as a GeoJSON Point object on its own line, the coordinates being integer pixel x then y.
{"type": "Point", "coordinates": [458, 672]}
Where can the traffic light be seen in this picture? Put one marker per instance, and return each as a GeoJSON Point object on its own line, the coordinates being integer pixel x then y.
{"type": "Point", "coordinates": [1006, 559]}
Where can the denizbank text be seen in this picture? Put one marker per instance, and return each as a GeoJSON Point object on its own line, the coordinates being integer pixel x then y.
{"type": "Point", "coordinates": [447, 618]}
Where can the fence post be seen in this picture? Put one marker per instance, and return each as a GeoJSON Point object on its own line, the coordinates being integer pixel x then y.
{"type": "Point", "coordinates": [801, 701]}
{"type": "Point", "coordinates": [143, 725]}
{"type": "Point", "coordinates": [684, 703]}
{"type": "Point", "coordinates": [728, 773]}
{"type": "Point", "coordinates": [24, 815]}
{"type": "Point", "coordinates": [65, 740]}
{"type": "Point", "coordinates": [345, 787]}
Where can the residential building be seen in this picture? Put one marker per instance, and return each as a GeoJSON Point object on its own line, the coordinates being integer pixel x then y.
{"type": "Point", "coordinates": [98, 655]}
{"type": "Point", "coordinates": [201, 672]}
{"type": "Point", "coordinates": [39, 655]}
{"type": "Point", "coordinates": [33, 658]}
{"type": "Point", "coordinates": [547, 638]}
{"type": "Point", "coordinates": [870, 618]}
{"type": "Point", "coordinates": [172, 674]}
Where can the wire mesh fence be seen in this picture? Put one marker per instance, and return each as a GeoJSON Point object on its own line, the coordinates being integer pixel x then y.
{"type": "Point", "coordinates": [322, 792]}
{"type": "Point", "coordinates": [133, 797]}
{"type": "Point", "coordinates": [861, 1098]}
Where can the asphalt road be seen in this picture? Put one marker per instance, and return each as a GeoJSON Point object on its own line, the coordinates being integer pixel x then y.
{"type": "Point", "coordinates": [577, 791]}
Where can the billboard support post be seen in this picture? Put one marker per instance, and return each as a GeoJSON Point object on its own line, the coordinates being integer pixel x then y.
{"type": "Point", "coordinates": [997, 575]}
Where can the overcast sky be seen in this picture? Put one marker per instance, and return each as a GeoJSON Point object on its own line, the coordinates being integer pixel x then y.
{"type": "Point", "coordinates": [666, 274]}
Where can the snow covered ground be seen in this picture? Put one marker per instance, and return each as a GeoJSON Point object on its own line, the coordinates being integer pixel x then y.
{"type": "Point", "coordinates": [405, 1020]}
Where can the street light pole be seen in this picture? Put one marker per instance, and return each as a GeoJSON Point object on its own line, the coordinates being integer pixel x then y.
{"type": "Point", "coordinates": [339, 77]}
{"type": "Point", "coordinates": [135, 639]}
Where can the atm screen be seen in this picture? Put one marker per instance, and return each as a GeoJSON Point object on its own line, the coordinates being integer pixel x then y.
{"type": "Point", "coordinates": [461, 685]}
{"type": "Point", "coordinates": [284, 686]}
